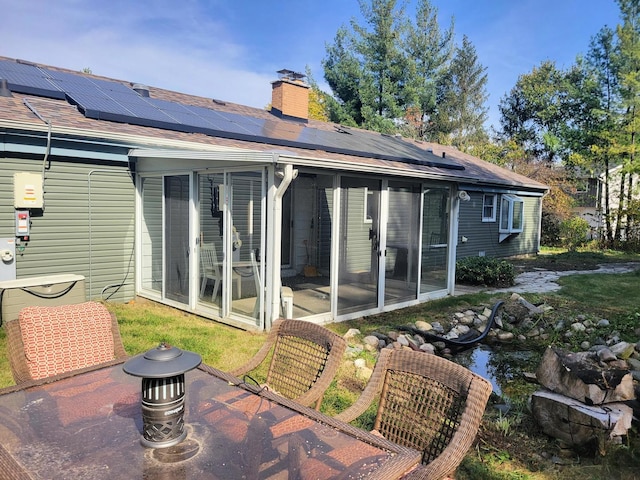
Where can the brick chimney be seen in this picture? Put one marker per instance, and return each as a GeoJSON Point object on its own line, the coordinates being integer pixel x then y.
{"type": "Point", "coordinates": [290, 96]}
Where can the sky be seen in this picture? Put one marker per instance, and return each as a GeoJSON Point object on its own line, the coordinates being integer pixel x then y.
{"type": "Point", "coordinates": [231, 49]}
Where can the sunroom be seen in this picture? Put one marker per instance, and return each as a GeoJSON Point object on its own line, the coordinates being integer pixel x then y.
{"type": "Point", "coordinates": [246, 237]}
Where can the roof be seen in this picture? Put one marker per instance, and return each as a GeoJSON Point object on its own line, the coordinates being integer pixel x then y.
{"type": "Point", "coordinates": [99, 108]}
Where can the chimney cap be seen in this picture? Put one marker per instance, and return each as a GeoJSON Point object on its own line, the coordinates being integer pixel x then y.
{"type": "Point", "coordinates": [286, 74]}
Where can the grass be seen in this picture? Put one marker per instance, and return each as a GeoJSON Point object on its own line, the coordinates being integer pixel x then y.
{"type": "Point", "coordinates": [508, 447]}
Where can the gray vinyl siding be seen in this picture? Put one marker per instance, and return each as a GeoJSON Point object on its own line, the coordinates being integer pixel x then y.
{"type": "Point", "coordinates": [86, 228]}
{"type": "Point", "coordinates": [484, 236]}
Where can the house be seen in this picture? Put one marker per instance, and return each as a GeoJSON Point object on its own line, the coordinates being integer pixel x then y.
{"type": "Point", "coordinates": [591, 201]}
{"type": "Point", "coordinates": [239, 214]}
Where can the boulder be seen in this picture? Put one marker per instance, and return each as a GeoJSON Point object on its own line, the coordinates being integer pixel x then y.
{"type": "Point", "coordinates": [582, 377]}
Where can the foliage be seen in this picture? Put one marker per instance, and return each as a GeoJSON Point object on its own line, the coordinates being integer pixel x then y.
{"type": "Point", "coordinates": [487, 271]}
{"type": "Point", "coordinates": [573, 232]}
{"type": "Point", "coordinates": [396, 75]}
{"type": "Point", "coordinates": [462, 111]}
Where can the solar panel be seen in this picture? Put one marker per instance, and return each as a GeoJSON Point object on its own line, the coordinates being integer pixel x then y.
{"type": "Point", "coordinates": [114, 101]}
{"type": "Point", "coordinates": [28, 79]}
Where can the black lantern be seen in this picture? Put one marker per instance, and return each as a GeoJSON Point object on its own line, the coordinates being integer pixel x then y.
{"type": "Point", "coordinates": [162, 370]}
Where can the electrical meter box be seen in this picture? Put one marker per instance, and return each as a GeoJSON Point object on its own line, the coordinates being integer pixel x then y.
{"type": "Point", "coordinates": [48, 291]}
{"type": "Point", "coordinates": [27, 190]}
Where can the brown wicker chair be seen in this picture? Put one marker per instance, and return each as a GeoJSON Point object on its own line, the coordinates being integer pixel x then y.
{"type": "Point", "coordinates": [46, 341]}
{"type": "Point", "coordinates": [305, 359]}
{"type": "Point", "coordinates": [428, 403]}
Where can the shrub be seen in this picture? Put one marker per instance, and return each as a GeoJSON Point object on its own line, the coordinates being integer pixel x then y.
{"type": "Point", "coordinates": [574, 232]}
{"type": "Point", "coordinates": [487, 271]}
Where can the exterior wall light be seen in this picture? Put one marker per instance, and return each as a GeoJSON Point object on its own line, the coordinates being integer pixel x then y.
{"type": "Point", "coordinates": [163, 388]}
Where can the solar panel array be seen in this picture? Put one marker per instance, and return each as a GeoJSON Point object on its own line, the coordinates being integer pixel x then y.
{"type": "Point", "coordinates": [115, 101]}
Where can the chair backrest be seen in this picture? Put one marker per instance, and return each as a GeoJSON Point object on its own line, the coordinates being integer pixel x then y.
{"type": "Point", "coordinates": [427, 403]}
{"type": "Point", "coordinates": [209, 257]}
{"type": "Point", "coordinates": [305, 358]}
{"type": "Point", "coordinates": [46, 341]}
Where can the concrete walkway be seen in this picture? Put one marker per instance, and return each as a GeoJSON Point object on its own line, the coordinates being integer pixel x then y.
{"type": "Point", "coordinates": [541, 281]}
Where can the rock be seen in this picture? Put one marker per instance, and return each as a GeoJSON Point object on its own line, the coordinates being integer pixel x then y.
{"type": "Point", "coordinates": [578, 327]}
{"type": "Point", "coordinates": [437, 327]}
{"type": "Point", "coordinates": [606, 355]}
{"type": "Point", "coordinates": [370, 340]}
{"type": "Point", "coordinates": [634, 364]}
{"type": "Point", "coordinates": [580, 376]}
{"type": "Point", "coordinates": [603, 323]}
{"type": "Point", "coordinates": [403, 340]}
{"type": "Point", "coordinates": [623, 349]}
{"type": "Point", "coordinates": [505, 336]}
{"type": "Point", "coordinates": [423, 326]}
{"type": "Point", "coordinates": [428, 348]}
{"type": "Point", "coordinates": [352, 332]}
{"type": "Point", "coordinates": [360, 362]}
{"type": "Point", "coordinates": [585, 345]}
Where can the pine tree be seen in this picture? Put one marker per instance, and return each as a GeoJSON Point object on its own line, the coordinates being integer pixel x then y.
{"type": "Point", "coordinates": [429, 51]}
{"type": "Point", "coordinates": [462, 111]}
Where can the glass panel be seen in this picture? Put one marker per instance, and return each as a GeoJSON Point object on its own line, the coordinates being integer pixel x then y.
{"type": "Point", "coordinates": [309, 272]}
{"type": "Point", "coordinates": [403, 227]}
{"type": "Point", "coordinates": [245, 224]}
{"type": "Point", "coordinates": [211, 190]}
{"type": "Point", "coordinates": [435, 239]}
{"type": "Point", "coordinates": [517, 215]}
{"type": "Point", "coordinates": [359, 245]}
{"type": "Point", "coordinates": [504, 214]}
{"type": "Point", "coordinates": [151, 239]}
{"type": "Point", "coordinates": [176, 192]}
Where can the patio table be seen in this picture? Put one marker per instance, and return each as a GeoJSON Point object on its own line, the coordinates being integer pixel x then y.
{"type": "Point", "coordinates": [87, 425]}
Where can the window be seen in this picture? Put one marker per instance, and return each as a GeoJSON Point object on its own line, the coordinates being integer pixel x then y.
{"type": "Point", "coordinates": [368, 205]}
{"type": "Point", "coordinates": [511, 214]}
{"type": "Point", "coordinates": [489, 203]}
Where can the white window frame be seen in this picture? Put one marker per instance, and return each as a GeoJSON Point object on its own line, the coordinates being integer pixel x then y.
{"type": "Point", "coordinates": [493, 206]}
{"type": "Point", "coordinates": [511, 204]}
{"type": "Point", "coordinates": [367, 204]}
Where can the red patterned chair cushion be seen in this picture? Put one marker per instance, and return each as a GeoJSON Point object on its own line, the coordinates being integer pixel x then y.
{"type": "Point", "coordinates": [67, 337]}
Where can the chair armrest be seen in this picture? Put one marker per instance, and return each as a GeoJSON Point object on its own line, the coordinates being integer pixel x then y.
{"type": "Point", "coordinates": [261, 354]}
{"type": "Point", "coordinates": [15, 352]}
{"type": "Point", "coordinates": [371, 390]}
{"type": "Point", "coordinates": [118, 346]}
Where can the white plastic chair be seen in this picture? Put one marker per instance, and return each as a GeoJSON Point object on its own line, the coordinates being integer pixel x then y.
{"type": "Point", "coordinates": [211, 269]}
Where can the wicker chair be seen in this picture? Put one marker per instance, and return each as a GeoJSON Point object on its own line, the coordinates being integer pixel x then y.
{"type": "Point", "coordinates": [47, 341]}
{"type": "Point", "coordinates": [425, 402]}
{"type": "Point", "coordinates": [305, 359]}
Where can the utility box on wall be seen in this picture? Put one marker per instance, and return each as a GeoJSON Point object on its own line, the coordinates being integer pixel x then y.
{"type": "Point", "coordinates": [27, 190]}
{"type": "Point", "coordinates": [49, 291]}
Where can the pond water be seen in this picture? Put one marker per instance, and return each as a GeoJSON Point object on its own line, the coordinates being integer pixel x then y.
{"type": "Point", "coordinates": [499, 364]}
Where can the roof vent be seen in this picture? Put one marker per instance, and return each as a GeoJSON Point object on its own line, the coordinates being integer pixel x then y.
{"type": "Point", "coordinates": [4, 88]}
{"type": "Point", "coordinates": [142, 90]}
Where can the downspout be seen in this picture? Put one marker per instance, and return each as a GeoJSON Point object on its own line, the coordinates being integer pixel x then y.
{"type": "Point", "coordinates": [288, 175]}
{"type": "Point", "coordinates": [48, 149]}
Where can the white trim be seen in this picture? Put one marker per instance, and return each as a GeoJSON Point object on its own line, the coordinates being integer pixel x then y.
{"type": "Point", "coordinates": [494, 207]}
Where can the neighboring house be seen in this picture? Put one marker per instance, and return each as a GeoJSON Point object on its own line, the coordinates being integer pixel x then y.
{"type": "Point", "coordinates": [591, 201]}
{"type": "Point", "coordinates": [213, 207]}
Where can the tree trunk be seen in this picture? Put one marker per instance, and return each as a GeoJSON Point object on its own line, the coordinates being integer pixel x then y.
{"type": "Point", "coordinates": [576, 423]}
